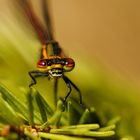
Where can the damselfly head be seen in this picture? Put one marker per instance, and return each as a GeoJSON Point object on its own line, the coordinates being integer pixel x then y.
{"type": "Point", "coordinates": [56, 66]}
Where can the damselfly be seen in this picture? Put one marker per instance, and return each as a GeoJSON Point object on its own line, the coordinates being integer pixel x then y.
{"type": "Point", "coordinates": [52, 63]}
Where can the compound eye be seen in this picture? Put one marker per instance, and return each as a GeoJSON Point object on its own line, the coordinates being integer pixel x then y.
{"type": "Point", "coordinates": [42, 64]}
{"type": "Point", "coordinates": [69, 64]}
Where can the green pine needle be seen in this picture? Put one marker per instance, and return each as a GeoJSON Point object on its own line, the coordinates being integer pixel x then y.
{"type": "Point", "coordinates": [69, 121]}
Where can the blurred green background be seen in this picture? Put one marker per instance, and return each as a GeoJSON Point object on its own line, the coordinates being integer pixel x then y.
{"type": "Point", "coordinates": [101, 36]}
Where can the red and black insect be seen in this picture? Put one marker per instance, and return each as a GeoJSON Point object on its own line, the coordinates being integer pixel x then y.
{"type": "Point", "coordinates": [52, 62]}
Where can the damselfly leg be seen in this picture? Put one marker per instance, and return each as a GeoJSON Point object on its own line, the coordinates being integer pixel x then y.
{"type": "Point", "coordinates": [36, 74]}
{"type": "Point", "coordinates": [69, 83]}
{"type": "Point", "coordinates": [55, 90]}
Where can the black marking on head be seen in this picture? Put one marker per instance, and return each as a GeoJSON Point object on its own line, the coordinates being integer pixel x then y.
{"type": "Point", "coordinates": [55, 61]}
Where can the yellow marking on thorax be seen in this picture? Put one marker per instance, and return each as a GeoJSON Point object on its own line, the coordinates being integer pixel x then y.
{"type": "Point", "coordinates": [50, 50]}
{"type": "Point", "coordinates": [44, 52]}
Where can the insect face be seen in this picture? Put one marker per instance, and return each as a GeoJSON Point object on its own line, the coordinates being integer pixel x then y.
{"type": "Point", "coordinates": [56, 66]}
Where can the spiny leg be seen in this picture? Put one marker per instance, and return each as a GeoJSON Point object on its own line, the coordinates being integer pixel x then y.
{"type": "Point", "coordinates": [35, 74]}
{"type": "Point", "coordinates": [67, 80]}
{"type": "Point", "coordinates": [69, 87]}
{"type": "Point", "coordinates": [55, 90]}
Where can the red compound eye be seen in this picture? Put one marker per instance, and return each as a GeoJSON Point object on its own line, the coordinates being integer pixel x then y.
{"type": "Point", "coordinates": [69, 64]}
{"type": "Point", "coordinates": [42, 64]}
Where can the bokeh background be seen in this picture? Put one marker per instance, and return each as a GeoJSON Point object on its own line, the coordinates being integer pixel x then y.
{"type": "Point", "coordinates": [101, 36]}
